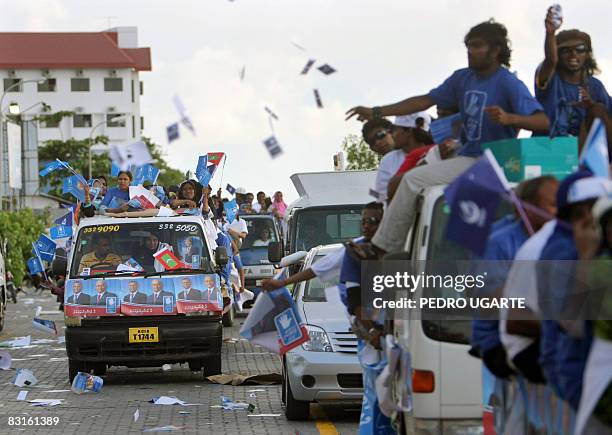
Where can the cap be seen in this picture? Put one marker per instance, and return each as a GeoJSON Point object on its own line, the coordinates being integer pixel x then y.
{"type": "Point", "coordinates": [241, 191]}
{"type": "Point", "coordinates": [411, 120]}
{"type": "Point", "coordinates": [573, 37]}
{"type": "Point", "coordinates": [580, 186]}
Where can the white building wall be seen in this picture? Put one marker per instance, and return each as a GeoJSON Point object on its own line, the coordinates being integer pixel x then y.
{"type": "Point", "coordinates": [96, 102]}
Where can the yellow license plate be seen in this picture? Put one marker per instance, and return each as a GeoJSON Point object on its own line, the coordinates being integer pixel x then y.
{"type": "Point", "coordinates": [143, 335]}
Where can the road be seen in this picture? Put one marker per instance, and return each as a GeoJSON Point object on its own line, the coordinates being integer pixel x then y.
{"type": "Point", "coordinates": [126, 390]}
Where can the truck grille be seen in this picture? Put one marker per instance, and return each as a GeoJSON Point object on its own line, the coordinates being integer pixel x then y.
{"type": "Point", "coordinates": [345, 342]}
{"type": "Point", "coordinates": [352, 380]}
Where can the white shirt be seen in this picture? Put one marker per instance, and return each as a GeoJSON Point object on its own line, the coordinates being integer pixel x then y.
{"type": "Point", "coordinates": [256, 207]}
{"type": "Point", "coordinates": [387, 168]}
{"type": "Point", "coordinates": [239, 225]}
{"type": "Point", "coordinates": [260, 242]}
{"type": "Point", "coordinates": [328, 268]}
{"type": "Point", "coordinates": [522, 283]}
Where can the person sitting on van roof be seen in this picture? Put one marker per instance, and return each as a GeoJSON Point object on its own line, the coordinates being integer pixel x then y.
{"type": "Point", "coordinates": [377, 134]}
{"type": "Point", "coordinates": [119, 194]}
{"type": "Point", "coordinates": [189, 195]}
{"type": "Point", "coordinates": [261, 206]}
{"type": "Point", "coordinates": [494, 104]}
{"type": "Point", "coordinates": [564, 82]}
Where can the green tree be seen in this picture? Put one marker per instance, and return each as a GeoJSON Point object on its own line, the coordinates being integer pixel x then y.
{"type": "Point", "coordinates": [358, 153]}
{"type": "Point", "coordinates": [20, 228]}
{"type": "Point", "coordinates": [76, 153]}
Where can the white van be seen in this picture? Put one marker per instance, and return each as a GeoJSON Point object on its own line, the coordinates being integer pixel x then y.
{"type": "Point", "coordinates": [446, 379]}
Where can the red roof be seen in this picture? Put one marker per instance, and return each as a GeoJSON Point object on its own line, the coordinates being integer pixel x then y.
{"type": "Point", "coordinates": [69, 50]}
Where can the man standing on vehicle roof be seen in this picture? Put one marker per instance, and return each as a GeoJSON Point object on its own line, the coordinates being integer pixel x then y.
{"type": "Point", "coordinates": [564, 82]}
{"type": "Point", "coordinates": [494, 104]}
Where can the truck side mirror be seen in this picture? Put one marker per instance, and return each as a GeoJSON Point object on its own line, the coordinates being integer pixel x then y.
{"type": "Point", "coordinates": [275, 252]}
{"type": "Point", "coordinates": [221, 257]}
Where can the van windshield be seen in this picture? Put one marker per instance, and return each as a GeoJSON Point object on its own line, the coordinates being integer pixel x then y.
{"type": "Point", "coordinates": [326, 225]}
{"type": "Point", "coordinates": [262, 231]}
{"type": "Point", "coordinates": [115, 246]}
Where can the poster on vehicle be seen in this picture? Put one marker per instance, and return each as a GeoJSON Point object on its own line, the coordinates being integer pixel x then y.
{"type": "Point", "coordinates": [92, 297]}
{"type": "Point", "coordinates": [198, 293]}
{"type": "Point", "coordinates": [147, 297]}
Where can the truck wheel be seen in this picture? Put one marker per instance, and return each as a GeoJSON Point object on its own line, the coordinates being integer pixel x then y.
{"type": "Point", "coordinates": [228, 318]}
{"type": "Point", "coordinates": [294, 409]}
{"type": "Point", "coordinates": [99, 369]}
{"type": "Point", "coordinates": [75, 366]}
{"type": "Point", "coordinates": [195, 366]}
{"type": "Point", "coordinates": [211, 366]}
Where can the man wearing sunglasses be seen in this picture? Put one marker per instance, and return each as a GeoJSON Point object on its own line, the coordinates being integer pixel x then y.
{"type": "Point", "coordinates": [328, 268]}
{"type": "Point", "coordinates": [564, 82]}
{"type": "Point", "coordinates": [377, 134]}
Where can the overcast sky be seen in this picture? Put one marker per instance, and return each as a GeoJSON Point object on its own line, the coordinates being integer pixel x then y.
{"type": "Point", "coordinates": [384, 51]}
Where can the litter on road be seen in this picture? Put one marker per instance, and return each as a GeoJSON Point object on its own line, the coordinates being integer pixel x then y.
{"type": "Point", "coordinates": [136, 414]}
{"type": "Point", "coordinates": [238, 379]}
{"type": "Point", "coordinates": [170, 400]}
{"type": "Point", "coordinates": [85, 383]}
{"type": "Point", "coordinates": [22, 395]}
{"type": "Point", "coordinates": [229, 404]}
{"type": "Point", "coordinates": [25, 378]}
{"type": "Point", "coordinates": [17, 342]}
{"type": "Point", "coordinates": [45, 402]}
{"type": "Point", "coordinates": [5, 360]}
{"type": "Point", "coordinates": [165, 428]}
{"type": "Point", "coordinates": [44, 325]}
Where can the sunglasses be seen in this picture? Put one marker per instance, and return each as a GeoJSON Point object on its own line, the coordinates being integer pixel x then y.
{"type": "Point", "coordinates": [580, 49]}
{"type": "Point", "coordinates": [380, 134]}
{"type": "Point", "coordinates": [370, 221]}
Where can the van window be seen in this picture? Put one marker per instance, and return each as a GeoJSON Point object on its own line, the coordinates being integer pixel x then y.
{"type": "Point", "coordinates": [324, 226]}
{"type": "Point", "coordinates": [314, 290]}
{"type": "Point", "coordinates": [101, 248]}
{"type": "Point", "coordinates": [444, 251]}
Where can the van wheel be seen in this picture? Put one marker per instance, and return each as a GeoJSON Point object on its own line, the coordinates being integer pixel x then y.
{"type": "Point", "coordinates": [294, 409]}
{"type": "Point", "coordinates": [211, 366]}
{"type": "Point", "coordinates": [74, 366]}
{"type": "Point", "coordinates": [195, 366]}
{"type": "Point", "coordinates": [228, 318]}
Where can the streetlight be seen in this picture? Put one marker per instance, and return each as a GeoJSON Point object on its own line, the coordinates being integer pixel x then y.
{"type": "Point", "coordinates": [113, 119]}
{"type": "Point", "coordinates": [14, 85]}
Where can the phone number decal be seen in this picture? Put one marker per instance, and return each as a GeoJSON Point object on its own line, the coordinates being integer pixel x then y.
{"type": "Point", "coordinates": [102, 229]}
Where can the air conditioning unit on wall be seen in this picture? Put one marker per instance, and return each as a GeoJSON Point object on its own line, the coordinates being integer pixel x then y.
{"type": "Point", "coordinates": [79, 73]}
{"type": "Point", "coordinates": [113, 73]}
{"type": "Point", "coordinates": [45, 73]}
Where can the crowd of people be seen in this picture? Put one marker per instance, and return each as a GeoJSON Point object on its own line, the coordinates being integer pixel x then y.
{"type": "Point", "coordinates": [545, 360]}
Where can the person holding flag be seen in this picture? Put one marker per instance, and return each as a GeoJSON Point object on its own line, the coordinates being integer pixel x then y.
{"type": "Point", "coordinates": [189, 195]}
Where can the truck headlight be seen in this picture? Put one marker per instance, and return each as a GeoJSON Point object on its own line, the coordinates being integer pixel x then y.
{"type": "Point", "coordinates": [319, 342]}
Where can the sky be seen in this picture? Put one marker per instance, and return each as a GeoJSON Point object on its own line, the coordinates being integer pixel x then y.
{"type": "Point", "coordinates": [383, 51]}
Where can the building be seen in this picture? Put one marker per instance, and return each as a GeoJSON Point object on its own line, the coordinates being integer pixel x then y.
{"type": "Point", "coordinates": [93, 74]}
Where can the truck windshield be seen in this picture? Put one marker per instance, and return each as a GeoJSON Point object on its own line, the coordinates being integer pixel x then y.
{"type": "Point", "coordinates": [262, 231]}
{"type": "Point", "coordinates": [113, 246]}
{"type": "Point", "coordinates": [324, 226]}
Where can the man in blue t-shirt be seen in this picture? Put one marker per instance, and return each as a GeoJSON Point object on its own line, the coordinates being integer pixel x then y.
{"type": "Point", "coordinates": [494, 104]}
{"type": "Point", "coordinates": [564, 82]}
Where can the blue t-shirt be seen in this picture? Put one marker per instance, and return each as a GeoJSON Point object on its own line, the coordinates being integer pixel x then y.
{"type": "Point", "coordinates": [472, 93]}
{"type": "Point", "coordinates": [115, 192]}
{"type": "Point", "coordinates": [560, 101]}
{"type": "Point", "coordinates": [502, 246]}
{"type": "Point", "coordinates": [562, 357]}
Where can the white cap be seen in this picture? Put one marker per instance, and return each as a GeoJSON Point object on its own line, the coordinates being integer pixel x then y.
{"type": "Point", "coordinates": [588, 188]}
{"type": "Point", "coordinates": [241, 191]}
{"type": "Point", "coordinates": [411, 120]}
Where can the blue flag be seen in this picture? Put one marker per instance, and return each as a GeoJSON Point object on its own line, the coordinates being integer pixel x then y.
{"type": "Point", "coordinates": [231, 189]}
{"type": "Point", "coordinates": [172, 131]}
{"type": "Point", "coordinates": [473, 199]}
{"type": "Point", "coordinates": [202, 163]}
{"type": "Point", "coordinates": [67, 219]}
{"type": "Point", "coordinates": [61, 231]}
{"type": "Point", "coordinates": [204, 180]}
{"type": "Point", "coordinates": [44, 247]}
{"type": "Point", "coordinates": [144, 173]}
{"type": "Point", "coordinates": [446, 128]}
{"type": "Point", "coordinates": [231, 208]}
{"type": "Point", "coordinates": [75, 187]}
{"type": "Point", "coordinates": [34, 266]}
{"type": "Point", "coordinates": [595, 151]}
{"type": "Point", "coordinates": [52, 166]}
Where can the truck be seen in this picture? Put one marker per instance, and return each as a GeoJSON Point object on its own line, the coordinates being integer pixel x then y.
{"type": "Point", "coordinates": [328, 210]}
{"type": "Point", "coordinates": [143, 292]}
